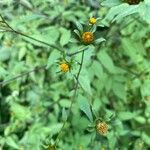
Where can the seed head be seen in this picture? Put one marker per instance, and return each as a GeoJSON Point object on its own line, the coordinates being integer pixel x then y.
{"type": "Point", "coordinates": [102, 128]}
{"type": "Point", "coordinates": [52, 147]}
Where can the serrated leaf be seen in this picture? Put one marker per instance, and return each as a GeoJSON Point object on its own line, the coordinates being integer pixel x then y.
{"type": "Point", "coordinates": [79, 26]}
{"type": "Point", "coordinates": [119, 90]}
{"type": "Point", "coordinates": [107, 62]}
{"type": "Point", "coordinates": [11, 143]}
{"type": "Point", "coordinates": [65, 36]}
{"type": "Point", "coordinates": [85, 107]}
{"type": "Point", "coordinates": [54, 55]}
{"type": "Point", "coordinates": [85, 83]}
{"type": "Point", "coordinates": [100, 40]}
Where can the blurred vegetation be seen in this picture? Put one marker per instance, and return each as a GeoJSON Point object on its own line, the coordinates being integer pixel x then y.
{"type": "Point", "coordinates": [99, 99]}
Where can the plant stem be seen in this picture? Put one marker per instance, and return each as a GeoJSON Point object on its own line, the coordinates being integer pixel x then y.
{"type": "Point", "coordinates": [42, 42]}
{"type": "Point", "coordinates": [24, 35]}
{"type": "Point", "coordinates": [22, 74]}
{"type": "Point", "coordinates": [72, 99]}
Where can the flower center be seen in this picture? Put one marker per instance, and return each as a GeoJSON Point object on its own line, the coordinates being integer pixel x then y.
{"type": "Point", "coordinates": [87, 37]}
{"type": "Point", "coordinates": [64, 67]}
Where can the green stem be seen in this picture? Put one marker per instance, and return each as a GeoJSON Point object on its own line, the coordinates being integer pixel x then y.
{"type": "Point", "coordinates": [32, 38]}
{"type": "Point", "coordinates": [21, 75]}
{"type": "Point", "coordinates": [72, 99]}
{"type": "Point", "coordinates": [27, 36]}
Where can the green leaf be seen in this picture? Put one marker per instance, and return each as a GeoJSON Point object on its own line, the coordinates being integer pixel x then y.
{"type": "Point", "coordinates": [146, 138]}
{"type": "Point", "coordinates": [129, 11]}
{"type": "Point", "coordinates": [97, 69]}
{"type": "Point", "coordinates": [127, 115]}
{"type": "Point", "coordinates": [79, 26]}
{"type": "Point", "coordinates": [114, 11]}
{"type": "Point", "coordinates": [132, 50]}
{"type": "Point", "coordinates": [3, 72]}
{"type": "Point", "coordinates": [85, 82]}
{"type": "Point", "coordinates": [100, 40]}
{"type": "Point", "coordinates": [65, 36]}
{"type": "Point", "coordinates": [65, 103]}
{"type": "Point", "coordinates": [21, 112]}
{"type": "Point", "coordinates": [106, 60]}
{"type": "Point", "coordinates": [26, 3]}
{"type": "Point", "coordinates": [118, 12]}
{"type": "Point", "coordinates": [119, 90]}
{"type": "Point", "coordinates": [110, 3]}
{"type": "Point", "coordinates": [140, 119]}
{"type": "Point", "coordinates": [145, 88]}
{"type": "Point", "coordinates": [64, 114]}
{"type": "Point", "coordinates": [22, 52]}
{"type": "Point", "coordinates": [144, 9]}
{"type": "Point", "coordinates": [54, 55]}
{"type": "Point", "coordinates": [85, 107]}
{"type": "Point", "coordinates": [5, 54]}
{"type": "Point", "coordinates": [77, 33]}
{"type": "Point", "coordinates": [11, 143]}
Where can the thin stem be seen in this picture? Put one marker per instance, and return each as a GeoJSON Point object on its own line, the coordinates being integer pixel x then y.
{"type": "Point", "coordinates": [3, 20]}
{"type": "Point", "coordinates": [72, 54]}
{"type": "Point", "coordinates": [72, 99]}
{"type": "Point", "coordinates": [45, 43]}
{"type": "Point", "coordinates": [24, 35]}
{"type": "Point", "coordinates": [3, 31]}
{"type": "Point", "coordinates": [21, 75]}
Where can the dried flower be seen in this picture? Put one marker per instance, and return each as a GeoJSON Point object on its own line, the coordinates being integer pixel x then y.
{"type": "Point", "coordinates": [132, 2]}
{"type": "Point", "coordinates": [102, 128]}
{"type": "Point", "coordinates": [87, 37]}
{"type": "Point", "coordinates": [51, 147]}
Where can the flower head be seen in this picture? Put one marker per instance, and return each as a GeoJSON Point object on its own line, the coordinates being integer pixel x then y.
{"type": "Point", "coordinates": [87, 37]}
{"type": "Point", "coordinates": [102, 128]}
{"type": "Point", "coordinates": [51, 147]}
{"type": "Point", "coordinates": [132, 2]}
{"type": "Point", "coordinates": [64, 67]}
{"type": "Point", "coordinates": [92, 20]}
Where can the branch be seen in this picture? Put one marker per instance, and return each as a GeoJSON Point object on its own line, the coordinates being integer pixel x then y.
{"type": "Point", "coordinates": [45, 43]}
{"type": "Point", "coordinates": [24, 35]}
{"type": "Point", "coordinates": [22, 74]}
{"type": "Point", "coordinates": [72, 99]}
{"type": "Point", "coordinates": [75, 53]}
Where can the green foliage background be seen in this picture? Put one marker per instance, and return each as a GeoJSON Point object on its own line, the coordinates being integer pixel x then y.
{"type": "Point", "coordinates": [114, 81]}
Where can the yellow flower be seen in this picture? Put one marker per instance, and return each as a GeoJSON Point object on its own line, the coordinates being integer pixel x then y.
{"type": "Point", "coordinates": [87, 37]}
{"type": "Point", "coordinates": [102, 128]}
{"type": "Point", "coordinates": [64, 67]}
{"type": "Point", "coordinates": [92, 20]}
